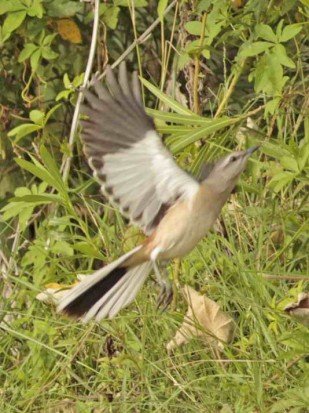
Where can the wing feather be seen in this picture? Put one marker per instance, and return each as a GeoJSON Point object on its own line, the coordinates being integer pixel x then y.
{"type": "Point", "coordinates": [136, 171]}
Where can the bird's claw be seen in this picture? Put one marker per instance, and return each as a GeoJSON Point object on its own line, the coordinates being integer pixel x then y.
{"type": "Point", "coordinates": [165, 297]}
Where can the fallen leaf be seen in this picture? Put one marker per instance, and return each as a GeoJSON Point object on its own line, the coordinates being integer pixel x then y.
{"type": "Point", "coordinates": [63, 406]}
{"type": "Point", "coordinates": [69, 30]}
{"type": "Point", "coordinates": [51, 296]}
{"type": "Point", "coordinates": [237, 3]}
{"type": "Point", "coordinates": [54, 292]}
{"type": "Point", "coordinates": [300, 309]}
{"type": "Point", "coordinates": [205, 319]}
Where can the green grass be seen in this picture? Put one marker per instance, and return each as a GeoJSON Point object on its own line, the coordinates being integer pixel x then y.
{"type": "Point", "coordinates": [52, 364]}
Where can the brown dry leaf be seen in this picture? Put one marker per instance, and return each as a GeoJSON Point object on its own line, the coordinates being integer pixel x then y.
{"type": "Point", "coordinates": [204, 319]}
{"type": "Point", "coordinates": [300, 309]}
{"type": "Point", "coordinates": [238, 3]}
{"type": "Point", "coordinates": [54, 292]}
{"type": "Point", "coordinates": [63, 406]}
{"type": "Point", "coordinates": [69, 30]}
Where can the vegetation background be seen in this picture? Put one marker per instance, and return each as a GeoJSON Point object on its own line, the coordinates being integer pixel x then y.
{"type": "Point", "coordinates": [217, 74]}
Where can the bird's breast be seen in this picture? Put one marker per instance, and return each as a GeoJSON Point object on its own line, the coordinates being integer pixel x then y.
{"type": "Point", "coordinates": [184, 226]}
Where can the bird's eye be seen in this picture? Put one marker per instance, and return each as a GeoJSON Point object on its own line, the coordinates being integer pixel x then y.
{"type": "Point", "coordinates": [233, 158]}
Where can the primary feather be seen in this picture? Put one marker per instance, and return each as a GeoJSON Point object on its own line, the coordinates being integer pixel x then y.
{"type": "Point", "coordinates": [136, 171]}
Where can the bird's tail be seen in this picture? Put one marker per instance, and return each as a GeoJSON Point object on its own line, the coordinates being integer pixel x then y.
{"type": "Point", "coordinates": [108, 290]}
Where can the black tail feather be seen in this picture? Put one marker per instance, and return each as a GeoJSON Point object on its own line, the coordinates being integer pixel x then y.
{"type": "Point", "coordinates": [88, 298]}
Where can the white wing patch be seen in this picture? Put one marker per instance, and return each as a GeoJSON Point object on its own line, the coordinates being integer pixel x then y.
{"type": "Point", "coordinates": [143, 179]}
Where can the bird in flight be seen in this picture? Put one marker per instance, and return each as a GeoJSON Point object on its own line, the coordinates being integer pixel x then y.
{"type": "Point", "coordinates": [139, 176]}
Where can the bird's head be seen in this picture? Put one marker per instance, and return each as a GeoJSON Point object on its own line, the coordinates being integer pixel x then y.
{"type": "Point", "coordinates": [226, 171]}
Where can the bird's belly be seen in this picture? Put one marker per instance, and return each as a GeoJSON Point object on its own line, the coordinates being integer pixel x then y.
{"type": "Point", "coordinates": [187, 235]}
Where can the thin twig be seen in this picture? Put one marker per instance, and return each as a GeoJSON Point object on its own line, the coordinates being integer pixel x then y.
{"type": "Point", "coordinates": [65, 168]}
{"type": "Point", "coordinates": [285, 277]}
{"type": "Point", "coordinates": [12, 262]}
{"type": "Point", "coordinates": [301, 116]}
{"type": "Point", "coordinates": [231, 88]}
{"type": "Point", "coordinates": [3, 259]}
{"type": "Point", "coordinates": [196, 102]}
{"type": "Point", "coordinates": [139, 40]}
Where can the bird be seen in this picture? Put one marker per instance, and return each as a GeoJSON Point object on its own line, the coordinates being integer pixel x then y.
{"type": "Point", "coordinates": [139, 176]}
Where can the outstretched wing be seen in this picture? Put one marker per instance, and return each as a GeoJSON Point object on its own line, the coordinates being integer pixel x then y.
{"type": "Point", "coordinates": [136, 171]}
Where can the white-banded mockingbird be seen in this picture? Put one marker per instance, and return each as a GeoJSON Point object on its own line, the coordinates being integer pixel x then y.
{"type": "Point", "coordinates": [140, 177]}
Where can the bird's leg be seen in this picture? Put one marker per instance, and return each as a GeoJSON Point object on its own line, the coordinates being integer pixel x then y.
{"type": "Point", "coordinates": [166, 294]}
{"type": "Point", "coordinates": [176, 284]}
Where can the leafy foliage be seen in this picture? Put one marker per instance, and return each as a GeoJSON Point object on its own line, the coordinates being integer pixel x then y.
{"type": "Point", "coordinates": [216, 75]}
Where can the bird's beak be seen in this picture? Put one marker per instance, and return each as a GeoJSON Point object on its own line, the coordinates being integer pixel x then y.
{"type": "Point", "coordinates": [250, 151]}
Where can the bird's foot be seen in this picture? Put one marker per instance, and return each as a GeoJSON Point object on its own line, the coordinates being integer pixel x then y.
{"type": "Point", "coordinates": [165, 297]}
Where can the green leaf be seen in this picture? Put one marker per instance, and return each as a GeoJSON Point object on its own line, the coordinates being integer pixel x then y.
{"type": "Point", "coordinates": [194, 27]}
{"type": "Point", "coordinates": [22, 209]}
{"type": "Point", "coordinates": [161, 8]}
{"type": "Point", "coordinates": [48, 53]}
{"type": "Point", "coordinates": [290, 31]}
{"type": "Point", "coordinates": [290, 163]}
{"type": "Point", "coordinates": [175, 130]}
{"type": "Point", "coordinates": [39, 171]}
{"type": "Point", "coordinates": [195, 47]}
{"type": "Point", "coordinates": [12, 22]}
{"type": "Point", "coordinates": [137, 3]}
{"type": "Point", "coordinates": [22, 191]}
{"type": "Point", "coordinates": [37, 117]}
{"type": "Point", "coordinates": [15, 209]}
{"type": "Point", "coordinates": [199, 133]}
{"type": "Point", "coordinates": [88, 250]}
{"type": "Point", "coordinates": [274, 150]}
{"type": "Point", "coordinates": [279, 29]}
{"type": "Point", "coordinates": [166, 99]}
{"type": "Point", "coordinates": [109, 15]}
{"type": "Point", "coordinates": [36, 9]}
{"type": "Point", "coordinates": [63, 8]}
{"type": "Point", "coordinates": [280, 180]}
{"type": "Point", "coordinates": [11, 209]}
{"type": "Point", "coordinates": [216, 18]}
{"type": "Point", "coordinates": [303, 161]}
{"type": "Point", "coordinates": [11, 6]}
{"type": "Point", "coordinates": [24, 216]}
{"type": "Point", "coordinates": [269, 75]}
{"type": "Point", "coordinates": [64, 94]}
{"type": "Point", "coordinates": [51, 111]}
{"type": "Point", "coordinates": [38, 199]}
{"type": "Point", "coordinates": [265, 32]}
{"type": "Point", "coordinates": [78, 80]}
{"type": "Point", "coordinates": [34, 60]}
{"type": "Point", "coordinates": [66, 81]}
{"type": "Point", "coordinates": [23, 130]}
{"type": "Point", "coordinates": [183, 60]}
{"type": "Point", "coordinates": [280, 52]}
{"type": "Point", "coordinates": [63, 248]}
{"type": "Point", "coordinates": [255, 48]}
{"type": "Point", "coordinates": [272, 105]}
{"type": "Point", "coordinates": [52, 169]}
{"type": "Point", "coordinates": [200, 161]}
{"type": "Point", "coordinates": [47, 40]}
{"type": "Point", "coordinates": [27, 51]}
{"type": "Point", "coordinates": [176, 118]}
